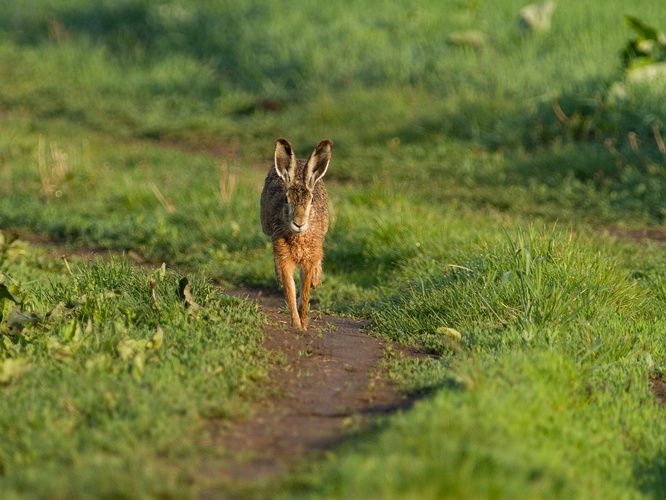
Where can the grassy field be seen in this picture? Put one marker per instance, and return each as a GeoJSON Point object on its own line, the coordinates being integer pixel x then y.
{"type": "Point", "coordinates": [479, 174]}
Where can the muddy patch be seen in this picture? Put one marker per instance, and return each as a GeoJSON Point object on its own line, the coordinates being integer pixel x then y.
{"type": "Point", "coordinates": [658, 388]}
{"type": "Point", "coordinates": [656, 233]}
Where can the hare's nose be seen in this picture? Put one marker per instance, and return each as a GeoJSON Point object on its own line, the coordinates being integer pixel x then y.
{"type": "Point", "coordinates": [299, 225]}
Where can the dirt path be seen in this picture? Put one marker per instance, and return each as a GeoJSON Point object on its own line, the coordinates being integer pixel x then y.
{"type": "Point", "coordinates": [329, 383]}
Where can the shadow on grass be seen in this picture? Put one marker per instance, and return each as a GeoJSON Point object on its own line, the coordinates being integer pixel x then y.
{"type": "Point", "coordinates": [149, 32]}
{"type": "Point", "coordinates": [365, 263]}
{"type": "Point", "coordinates": [651, 476]}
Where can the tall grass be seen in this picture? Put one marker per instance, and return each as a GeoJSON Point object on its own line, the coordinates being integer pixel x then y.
{"type": "Point", "coordinates": [549, 378]}
{"type": "Point", "coordinates": [532, 284]}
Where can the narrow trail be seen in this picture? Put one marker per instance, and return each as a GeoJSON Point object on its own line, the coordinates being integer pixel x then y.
{"type": "Point", "coordinates": [328, 385]}
{"type": "Point", "coordinates": [328, 381]}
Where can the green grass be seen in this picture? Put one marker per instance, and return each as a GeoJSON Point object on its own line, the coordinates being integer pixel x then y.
{"type": "Point", "coordinates": [118, 376]}
{"type": "Point", "coordinates": [459, 200]}
{"type": "Point", "coordinates": [549, 379]}
{"type": "Point", "coordinates": [528, 426]}
{"type": "Point", "coordinates": [533, 282]}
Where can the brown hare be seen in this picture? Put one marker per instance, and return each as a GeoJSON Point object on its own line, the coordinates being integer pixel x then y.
{"type": "Point", "coordinates": [294, 213]}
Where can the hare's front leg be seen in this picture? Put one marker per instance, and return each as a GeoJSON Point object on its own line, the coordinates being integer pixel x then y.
{"type": "Point", "coordinates": [284, 268]}
{"type": "Point", "coordinates": [304, 302]}
{"type": "Point", "coordinates": [290, 292]}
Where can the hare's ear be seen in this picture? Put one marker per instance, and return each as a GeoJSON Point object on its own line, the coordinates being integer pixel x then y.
{"type": "Point", "coordinates": [318, 163]}
{"type": "Point", "coordinates": [285, 160]}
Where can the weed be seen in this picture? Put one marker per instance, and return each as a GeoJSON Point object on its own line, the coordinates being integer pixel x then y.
{"type": "Point", "coordinates": [53, 169]}
{"type": "Point", "coordinates": [228, 181]}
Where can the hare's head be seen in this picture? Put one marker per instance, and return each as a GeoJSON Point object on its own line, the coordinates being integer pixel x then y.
{"type": "Point", "coordinates": [300, 178]}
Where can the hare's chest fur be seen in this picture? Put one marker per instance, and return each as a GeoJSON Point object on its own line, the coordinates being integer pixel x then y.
{"type": "Point", "coordinates": [302, 248]}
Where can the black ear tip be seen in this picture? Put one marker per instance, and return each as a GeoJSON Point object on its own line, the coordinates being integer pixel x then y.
{"type": "Point", "coordinates": [284, 143]}
{"type": "Point", "coordinates": [324, 147]}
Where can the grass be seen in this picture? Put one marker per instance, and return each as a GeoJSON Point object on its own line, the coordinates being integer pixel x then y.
{"type": "Point", "coordinates": [471, 442]}
{"type": "Point", "coordinates": [528, 284]}
{"type": "Point", "coordinates": [545, 382]}
{"type": "Point", "coordinates": [468, 187]}
{"type": "Point", "coordinates": [118, 376]}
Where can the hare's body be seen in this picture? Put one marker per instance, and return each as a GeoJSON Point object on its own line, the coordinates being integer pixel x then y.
{"type": "Point", "coordinates": [294, 213]}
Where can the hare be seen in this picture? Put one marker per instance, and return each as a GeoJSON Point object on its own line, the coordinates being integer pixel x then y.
{"type": "Point", "coordinates": [294, 213]}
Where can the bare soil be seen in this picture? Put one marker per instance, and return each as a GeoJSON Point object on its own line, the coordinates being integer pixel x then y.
{"type": "Point", "coordinates": [657, 233]}
{"type": "Point", "coordinates": [329, 382]}
{"type": "Point", "coordinates": [658, 386]}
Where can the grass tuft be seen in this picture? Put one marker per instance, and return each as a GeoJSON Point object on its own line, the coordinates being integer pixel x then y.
{"type": "Point", "coordinates": [526, 289]}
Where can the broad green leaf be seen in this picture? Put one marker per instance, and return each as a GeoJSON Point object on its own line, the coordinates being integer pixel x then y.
{"type": "Point", "coordinates": [161, 271]}
{"type": "Point", "coordinates": [138, 364]}
{"type": "Point", "coordinates": [68, 350]}
{"type": "Point", "coordinates": [157, 340]}
{"type": "Point", "coordinates": [127, 348]}
{"type": "Point", "coordinates": [452, 333]}
{"type": "Point", "coordinates": [647, 49]}
{"type": "Point", "coordinates": [11, 368]}
{"type": "Point", "coordinates": [645, 31]}
{"type": "Point", "coordinates": [6, 294]}
{"type": "Point", "coordinates": [73, 331]}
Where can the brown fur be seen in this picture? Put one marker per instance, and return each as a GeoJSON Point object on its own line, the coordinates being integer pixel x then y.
{"type": "Point", "coordinates": [294, 213]}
